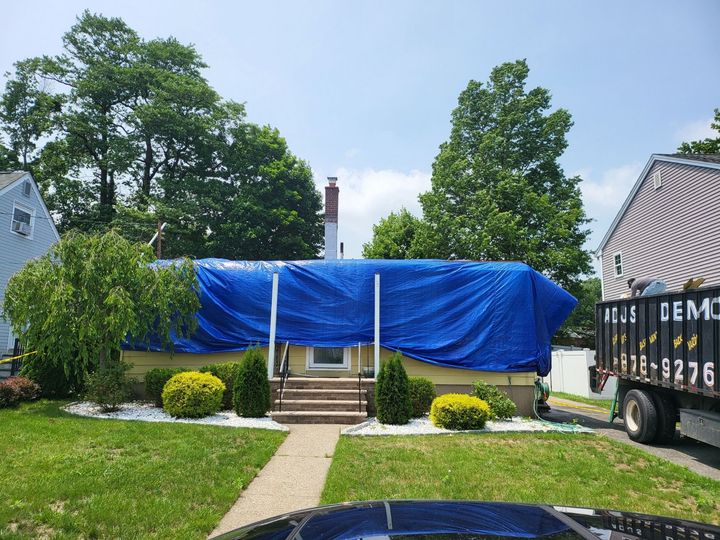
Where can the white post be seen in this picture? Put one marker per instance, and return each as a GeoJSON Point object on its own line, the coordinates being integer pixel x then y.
{"type": "Point", "coordinates": [359, 359]}
{"type": "Point", "coordinates": [273, 325]}
{"type": "Point", "coordinates": [377, 324]}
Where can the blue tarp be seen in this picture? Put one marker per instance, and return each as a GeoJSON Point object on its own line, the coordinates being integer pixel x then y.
{"type": "Point", "coordinates": [480, 316]}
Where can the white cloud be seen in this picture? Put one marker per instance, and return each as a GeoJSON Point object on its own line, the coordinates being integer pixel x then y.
{"type": "Point", "coordinates": [695, 131]}
{"type": "Point", "coordinates": [368, 195]}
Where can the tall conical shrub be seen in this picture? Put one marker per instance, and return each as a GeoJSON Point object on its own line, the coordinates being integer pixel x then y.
{"type": "Point", "coordinates": [392, 392]}
{"type": "Point", "coordinates": [251, 395]}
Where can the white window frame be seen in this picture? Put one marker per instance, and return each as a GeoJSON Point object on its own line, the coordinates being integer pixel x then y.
{"type": "Point", "coordinates": [310, 361]}
{"type": "Point", "coordinates": [27, 209]}
{"type": "Point", "coordinates": [622, 269]}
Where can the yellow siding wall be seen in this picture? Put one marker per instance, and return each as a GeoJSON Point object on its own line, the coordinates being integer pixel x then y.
{"type": "Point", "coordinates": [143, 361]}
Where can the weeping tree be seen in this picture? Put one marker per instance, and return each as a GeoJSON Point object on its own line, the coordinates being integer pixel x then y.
{"type": "Point", "coordinates": [77, 304]}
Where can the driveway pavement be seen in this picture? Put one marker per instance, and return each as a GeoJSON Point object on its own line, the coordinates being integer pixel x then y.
{"type": "Point", "coordinates": [696, 456]}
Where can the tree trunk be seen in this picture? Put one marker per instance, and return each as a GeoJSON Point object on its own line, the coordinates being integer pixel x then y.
{"type": "Point", "coordinates": [102, 359]}
{"type": "Point", "coordinates": [146, 170]}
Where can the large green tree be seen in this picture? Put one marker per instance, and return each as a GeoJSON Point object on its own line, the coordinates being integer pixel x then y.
{"type": "Point", "coordinates": [498, 191]}
{"type": "Point", "coordinates": [132, 134]}
{"type": "Point", "coordinates": [708, 145]}
{"type": "Point", "coordinates": [76, 304]}
{"type": "Point", "coordinates": [579, 328]}
{"type": "Point", "coordinates": [394, 237]}
{"type": "Point", "coordinates": [26, 111]}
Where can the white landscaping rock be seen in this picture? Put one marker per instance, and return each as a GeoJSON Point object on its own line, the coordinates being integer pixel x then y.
{"type": "Point", "coordinates": [423, 426]}
{"type": "Point", "coordinates": [147, 412]}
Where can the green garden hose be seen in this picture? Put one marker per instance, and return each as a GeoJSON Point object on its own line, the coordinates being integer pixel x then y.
{"type": "Point", "coordinates": [542, 391]}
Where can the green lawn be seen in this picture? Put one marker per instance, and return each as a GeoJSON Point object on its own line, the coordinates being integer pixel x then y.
{"type": "Point", "coordinates": [573, 470]}
{"type": "Point", "coordinates": [602, 403]}
{"type": "Point", "coordinates": [68, 477]}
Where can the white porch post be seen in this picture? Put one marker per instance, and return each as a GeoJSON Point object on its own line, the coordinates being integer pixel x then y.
{"type": "Point", "coordinates": [377, 324]}
{"type": "Point", "coordinates": [273, 325]}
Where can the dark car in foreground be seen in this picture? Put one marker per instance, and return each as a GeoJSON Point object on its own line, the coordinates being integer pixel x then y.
{"type": "Point", "coordinates": [467, 520]}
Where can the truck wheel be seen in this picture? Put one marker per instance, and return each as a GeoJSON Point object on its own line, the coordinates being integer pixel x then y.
{"type": "Point", "coordinates": [667, 417]}
{"type": "Point", "coordinates": [640, 416]}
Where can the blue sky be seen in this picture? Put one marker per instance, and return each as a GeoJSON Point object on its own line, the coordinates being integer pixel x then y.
{"type": "Point", "coordinates": [364, 90]}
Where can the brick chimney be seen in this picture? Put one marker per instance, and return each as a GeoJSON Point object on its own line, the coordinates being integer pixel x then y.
{"type": "Point", "coordinates": [331, 218]}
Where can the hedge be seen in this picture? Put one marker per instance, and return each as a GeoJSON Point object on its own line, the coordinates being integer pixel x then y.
{"type": "Point", "coordinates": [155, 380]}
{"type": "Point", "coordinates": [422, 394]}
{"type": "Point", "coordinates": [501, 406]}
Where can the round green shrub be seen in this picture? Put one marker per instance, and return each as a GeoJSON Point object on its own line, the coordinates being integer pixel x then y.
{"type": "Point", "coordinates": [251, 394]}
{"type": "Point", "coordinates": [501, 406]}
{"type": "Point", "coordinates": [51, 377]}
{"type": "Point", "coordinates": [227, 372]}
{"type": "Point", "coordinates": [422, 393]}
{"type": "Point", "coordinates": [155, 380]}
{"type": "Point", "coordinates": [192, 395]}
{"type": "Point", "coordinates": [109, 386]}
{"type": "Point", "coordinates": [392, 392]}
{"type": "Point", "coordinates": [459, 411]}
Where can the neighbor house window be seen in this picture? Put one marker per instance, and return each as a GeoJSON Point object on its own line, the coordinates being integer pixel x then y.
{"type": "Point", "coordinates": [328, 357]}
{"type": "Point", "coordinates": [617, 262]}
{"type": "Point", "coordinates": [22, 220]}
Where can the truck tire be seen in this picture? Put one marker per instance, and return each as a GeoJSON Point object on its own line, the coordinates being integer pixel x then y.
{"type": "Point", "coordinates": [667, 418]}
{"type": "Point", "coordinates": [640, 416]}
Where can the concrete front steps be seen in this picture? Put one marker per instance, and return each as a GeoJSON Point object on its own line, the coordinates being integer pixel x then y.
{"type": "Point", "coordinates": [320, 401]}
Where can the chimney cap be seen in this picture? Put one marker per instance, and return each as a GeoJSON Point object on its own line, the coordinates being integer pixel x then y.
{"type": "Point", "coordinates": [332, 180]}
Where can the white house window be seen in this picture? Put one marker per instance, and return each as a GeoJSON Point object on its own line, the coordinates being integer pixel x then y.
{"type": "Point", "coordinates": [617, 262]}
{"type": "Point", "coordinates": [22, 220]}
{"type": "Point", "coordinates": [328, 357]}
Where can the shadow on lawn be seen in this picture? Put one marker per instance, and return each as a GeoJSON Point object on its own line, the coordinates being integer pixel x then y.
{"type": "Point", "coordinates": [50, 408]}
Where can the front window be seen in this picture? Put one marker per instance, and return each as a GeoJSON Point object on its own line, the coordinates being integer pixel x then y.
{"type": "Point", "coordinates": [327, 357]}
{"type": "Point", "coordinates": [617, 260]}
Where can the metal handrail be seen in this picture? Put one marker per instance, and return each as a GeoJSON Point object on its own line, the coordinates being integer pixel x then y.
{"type": "Point", "coordinates": [359, 391]}
{"type": "Point", "coordinates": [284, 373]}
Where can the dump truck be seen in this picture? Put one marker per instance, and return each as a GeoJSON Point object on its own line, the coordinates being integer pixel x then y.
{"type": "Point", "coordinates": [665, 351]}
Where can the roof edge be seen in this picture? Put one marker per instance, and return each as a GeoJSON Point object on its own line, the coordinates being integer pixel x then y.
{"type": "Point", "coordinates": [40, 197]}
{"type": "Point", "coordinates": [638, 183]}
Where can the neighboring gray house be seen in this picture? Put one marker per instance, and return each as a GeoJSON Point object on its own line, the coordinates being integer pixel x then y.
{"type": "Point", "coordinates": [669, 226]}
{"type": "Point", "coordinates": [26, 231]}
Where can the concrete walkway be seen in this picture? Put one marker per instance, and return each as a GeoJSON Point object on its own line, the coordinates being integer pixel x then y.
{"type": "Point", "coordinates": [292, 480]}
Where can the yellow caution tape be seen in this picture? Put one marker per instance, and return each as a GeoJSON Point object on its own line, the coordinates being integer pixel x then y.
{"type": "Point", "coordinates": [16, 357]}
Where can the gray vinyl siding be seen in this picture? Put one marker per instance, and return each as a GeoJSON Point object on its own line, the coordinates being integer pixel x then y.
{"type": "Point", "coordinates": [15, 249]}
{"type": "Point", "coordinates": [672, 233]}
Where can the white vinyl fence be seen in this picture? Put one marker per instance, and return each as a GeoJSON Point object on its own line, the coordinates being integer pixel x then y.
{"type": "Point", "coordinates": [570, 374]}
